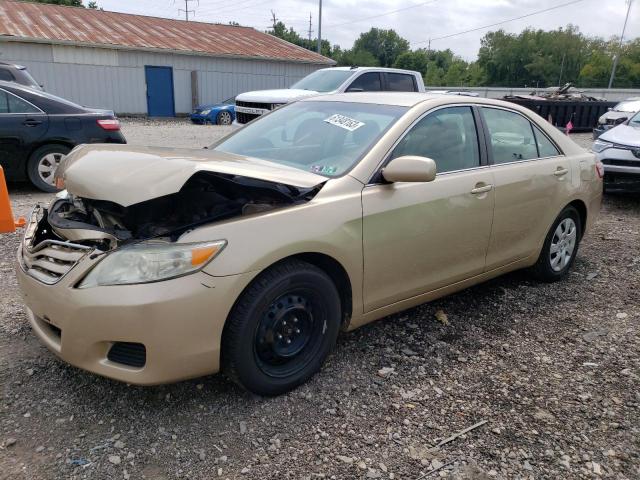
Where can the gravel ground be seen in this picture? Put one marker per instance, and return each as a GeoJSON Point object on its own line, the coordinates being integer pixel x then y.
{"type": "Point", "coordinates": [552, 369]}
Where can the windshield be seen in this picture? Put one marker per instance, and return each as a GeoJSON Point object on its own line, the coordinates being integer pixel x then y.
{"type": "Point", "coordinates": [323, 80]}
{"type": "Point", "coordinates": [628, 106]}
{"type": "Point", "coordinates": [229, 101]}
{"type": "Point", "coordinates": [327, 138]}
{"type": "Point", "coordinates": [635, 120]}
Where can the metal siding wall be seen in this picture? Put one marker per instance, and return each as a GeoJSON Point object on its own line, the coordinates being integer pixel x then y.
{"type": "Point", "coordinates": [122, 87]}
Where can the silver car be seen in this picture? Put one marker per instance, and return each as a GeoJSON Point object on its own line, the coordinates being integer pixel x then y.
{"type": "Point", "coordinates": [619, 151]}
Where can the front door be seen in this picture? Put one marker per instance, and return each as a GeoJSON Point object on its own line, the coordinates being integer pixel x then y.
{"type": "Point", "coordinates": [159, 91]}
{"type": "Point", "coordinates": [418, 237]}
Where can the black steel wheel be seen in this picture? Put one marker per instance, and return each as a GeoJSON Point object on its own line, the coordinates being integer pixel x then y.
{"type": "Point", "coordinates": [281, 329]}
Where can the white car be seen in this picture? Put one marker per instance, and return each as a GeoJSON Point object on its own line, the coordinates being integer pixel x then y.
{"type": "Point", "coordinates": [619, 150]}
{"type": "Point", "coordinates": [251, 105]}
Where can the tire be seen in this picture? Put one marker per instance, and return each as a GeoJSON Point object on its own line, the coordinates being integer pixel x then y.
{"type": "Point", "coordinates": [560, 247]}
{"type": "Point", "coordinates": [263, 350]}
{"type": "Point", "coordinates": [224, 118]}
{"type": "Point", "coordinates": [42, 165]}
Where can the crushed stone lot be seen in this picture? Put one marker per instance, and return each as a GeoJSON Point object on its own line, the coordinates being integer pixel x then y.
{"type": "Point", "coordinates": [553, 370]}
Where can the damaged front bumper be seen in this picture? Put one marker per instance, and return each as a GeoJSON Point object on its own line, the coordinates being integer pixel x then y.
{"type": "Point", "coordinates": [141, 334]}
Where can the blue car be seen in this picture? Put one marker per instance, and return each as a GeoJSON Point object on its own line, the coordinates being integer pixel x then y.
{"type": "Point", "coordinates": [219, 114]}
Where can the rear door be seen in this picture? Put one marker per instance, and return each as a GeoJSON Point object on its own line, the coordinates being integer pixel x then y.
{"type": "Point", "coordinates": [532, 181]}
{"type": "Point", "coordinates": [22, 124]}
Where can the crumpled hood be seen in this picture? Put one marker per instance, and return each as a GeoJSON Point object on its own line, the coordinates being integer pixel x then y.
{"type": "Point", "coordinates": [622, 135]}
{"type": "Point", "coordinates": [128, 175]}
{"type": "Point", "coordinates": [284, 95]}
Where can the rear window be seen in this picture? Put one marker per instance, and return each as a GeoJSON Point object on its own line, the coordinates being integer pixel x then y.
{"type": "Point", "coordinates": [401, 82]}
{"type": "Point", "coordinates": [6, 75]}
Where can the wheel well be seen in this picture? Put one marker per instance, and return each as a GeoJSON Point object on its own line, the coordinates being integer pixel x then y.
{"type": "Point", "coordinates": [338, 275]}
{"type": "Point", "coordinates": [582, 211]}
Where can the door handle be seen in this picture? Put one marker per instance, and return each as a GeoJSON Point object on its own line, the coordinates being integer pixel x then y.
{"type": "Point", "coordinates": [31, 122]}
{"type": "Point", "coordinates": [561, 171]}
{"type": "Point", "coordinates": [483, 189]}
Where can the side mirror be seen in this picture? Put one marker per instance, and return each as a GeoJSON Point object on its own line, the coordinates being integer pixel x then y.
{"type": "Point", "coordinates": [410, 168]}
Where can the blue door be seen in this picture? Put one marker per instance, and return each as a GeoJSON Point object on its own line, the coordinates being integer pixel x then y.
{"type": "Point", "coordinates": [159, 91]}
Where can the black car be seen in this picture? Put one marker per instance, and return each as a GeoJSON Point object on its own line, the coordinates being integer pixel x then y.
{"type": "Point", "coordinates": [10, 72]}
{"type": "Point", "coordinates": [38, 129]}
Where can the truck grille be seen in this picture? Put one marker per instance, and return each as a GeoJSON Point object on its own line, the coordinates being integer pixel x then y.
{"type": "Point", "coordinates": [244, 117]}
{"type": "Point", "coordinates": [51, 260]}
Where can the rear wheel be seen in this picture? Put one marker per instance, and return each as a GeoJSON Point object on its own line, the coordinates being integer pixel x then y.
{"type": "Point", "coordinates": [560, 247]}
{"type": "Point", "coordinates": [224, 118]}
{"type": "Point", "coordinates": [42, 166]}
{"type": "Point", "coordinates": [281, 329]}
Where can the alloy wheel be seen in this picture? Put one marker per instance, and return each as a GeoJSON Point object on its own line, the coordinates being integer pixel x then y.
{"type": "Point", "coordinates": [563, 244]}
{"type": "Point", "coordinates": [224, 118]}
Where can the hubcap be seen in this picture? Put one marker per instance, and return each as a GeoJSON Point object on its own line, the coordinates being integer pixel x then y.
{"type": "Point", "coordinates": [47, 166]}
{"type": "Point", "coordinates": [225, 118]}
{"type": "Point", "coordinates": [563, 244]}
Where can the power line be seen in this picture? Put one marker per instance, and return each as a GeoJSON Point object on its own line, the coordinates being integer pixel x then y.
{"type": "Point", "coordinates": [499, 23]}
{"type": "Point", "coordinates": [381, 14]}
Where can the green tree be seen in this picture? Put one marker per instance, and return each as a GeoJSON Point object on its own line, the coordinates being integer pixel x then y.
{"type": "Point", "coordinates": [385, 45]}
{"type": "Point", "coordinates": [359, 58]}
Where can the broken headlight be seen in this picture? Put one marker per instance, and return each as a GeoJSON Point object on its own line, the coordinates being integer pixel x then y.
{"type": "Point", "coordinates": [151, 262]}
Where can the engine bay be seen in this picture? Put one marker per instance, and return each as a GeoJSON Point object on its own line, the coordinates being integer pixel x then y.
{"type": "Point", "coordinates": [205, 198]}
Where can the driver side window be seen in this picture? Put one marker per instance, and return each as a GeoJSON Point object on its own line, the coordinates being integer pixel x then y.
{"type": "Point", "coordinates": [367, 82]}
{"type": "Point", "coordinates": [448, 136]}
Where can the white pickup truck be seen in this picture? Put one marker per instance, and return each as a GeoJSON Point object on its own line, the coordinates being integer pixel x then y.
{"type": "Point", "coordinates": [251, 105]}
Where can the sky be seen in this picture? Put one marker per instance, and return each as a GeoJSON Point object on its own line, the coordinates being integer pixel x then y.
{"type": "Point", "coordinates": [415, 20]}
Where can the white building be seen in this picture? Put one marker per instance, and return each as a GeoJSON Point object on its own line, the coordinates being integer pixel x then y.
{"type": "Point", "coordinates": [136, 64]}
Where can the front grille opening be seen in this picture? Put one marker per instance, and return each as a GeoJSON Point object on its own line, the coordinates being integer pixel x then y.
{"type": "Point", "coordinates": [128, 353]}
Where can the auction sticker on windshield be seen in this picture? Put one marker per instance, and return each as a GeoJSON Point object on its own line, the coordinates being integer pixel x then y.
{"type": "Point", "coordinates": [344, 122]}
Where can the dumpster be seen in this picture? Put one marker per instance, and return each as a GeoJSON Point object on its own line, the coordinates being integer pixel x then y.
{"type": "Point", "coordinates": [561, 104]}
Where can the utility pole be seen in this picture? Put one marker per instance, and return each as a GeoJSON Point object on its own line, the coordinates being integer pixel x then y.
{"type": "Point", "coordinates": [617, 57]}
{"type": "Point", "coordinates": [561, 69]}
{"type": "Point", "coordinates": [186, 9]}
{"type": "Point", "coordinates": [320, 27]}
{"type": "Point", "coordinates": [310, 30]}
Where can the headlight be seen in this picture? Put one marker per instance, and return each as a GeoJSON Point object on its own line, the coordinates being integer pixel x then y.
{"type": "Point", "coordinates": [205, 112]}
{"type": "Point", "coordinates": [151, 262]}
{"type": "Point", "coordinates": [600, 145]}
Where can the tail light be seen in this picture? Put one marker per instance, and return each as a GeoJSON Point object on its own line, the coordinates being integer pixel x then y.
{"type": "Point", "coordinates": [110, 124]}
{"type": "Point", "coordinates": [600, 169]}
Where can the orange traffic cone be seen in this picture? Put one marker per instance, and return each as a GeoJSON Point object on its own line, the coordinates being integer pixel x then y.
{"type": "Point", "coordinates": [7, 223]}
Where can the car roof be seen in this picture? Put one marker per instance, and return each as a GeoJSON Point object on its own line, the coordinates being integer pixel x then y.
{"type": "Point", "coordinates": [405, 99]}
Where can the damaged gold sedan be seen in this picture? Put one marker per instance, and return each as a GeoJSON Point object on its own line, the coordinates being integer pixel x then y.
{"type": "Point", "coordinates": [156, 265]}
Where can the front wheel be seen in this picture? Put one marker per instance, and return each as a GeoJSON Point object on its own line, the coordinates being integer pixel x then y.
{"type": "Point", "coordinates": [43, 164]}
{"type": "Point", "coordinates": [224, 118]}
{"type": "Point", "coordinates": [560, 247]}
{"type": "Point", "coordinates": [281, 329]}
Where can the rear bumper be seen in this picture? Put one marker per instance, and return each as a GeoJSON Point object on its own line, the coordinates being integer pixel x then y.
{"type": "Point", "coordinates": [178, 321]}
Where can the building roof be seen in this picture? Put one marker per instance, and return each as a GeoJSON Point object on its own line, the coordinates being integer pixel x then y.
{"type": "Point", "coordinates": [56, 24]}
